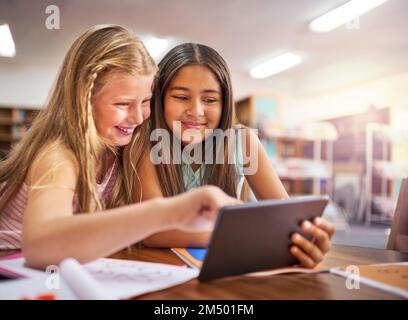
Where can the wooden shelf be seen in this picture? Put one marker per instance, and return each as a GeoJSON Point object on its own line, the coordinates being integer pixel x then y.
{"type": "Point", "coordinates": [14, 122]}
{"type": "Point", "coordinates": [307, 163]}
{"type": "Point", "coordinates": [5, 137]}
{"type": "Point", "coordinates": [6, 121]}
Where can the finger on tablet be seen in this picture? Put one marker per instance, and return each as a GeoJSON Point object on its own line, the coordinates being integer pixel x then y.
{"type": "Point", "coordinates": [325, 225]}
{"type": "Point", "coordinates": [308, 247]}
{"type": "Point", "coordinates": [321, 237]}
{"type": "Point", "coordinates": [304, 259]}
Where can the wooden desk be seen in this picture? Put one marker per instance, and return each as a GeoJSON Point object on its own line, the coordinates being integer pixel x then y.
{"type": "Point", "coordinates": [294, 286]}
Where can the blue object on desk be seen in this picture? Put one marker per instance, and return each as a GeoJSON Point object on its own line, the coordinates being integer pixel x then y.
{"type": "Point", "coordinates": [197, 253]}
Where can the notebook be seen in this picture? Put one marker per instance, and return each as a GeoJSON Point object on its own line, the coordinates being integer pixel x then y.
{"type": "Point", "coordinates": [391, 277]}
{"type": "Point", "coordinates": [101, 279]}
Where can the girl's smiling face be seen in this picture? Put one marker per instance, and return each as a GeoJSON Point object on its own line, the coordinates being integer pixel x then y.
{"type": "Point", "coordinates": [193, 100]}
{"type": "Point", "coordinates": [120, 105]}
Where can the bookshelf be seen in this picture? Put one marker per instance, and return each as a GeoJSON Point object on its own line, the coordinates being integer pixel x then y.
{"type": "Point", "coordinates": [245, 111]}
{"type": "Point", "coordinates": [365, 166]}
{"type": "Point", "coordinates": [14, 122]}
{"type": "Point", "coordinates": [304, 162]}
{"type": "Point", "coordinates": [383, 170]}
{"type": "Point", "coordinates": [302, 155]}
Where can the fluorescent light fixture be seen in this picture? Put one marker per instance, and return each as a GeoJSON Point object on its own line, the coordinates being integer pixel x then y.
{"type": "Point", "coordinates": [343, 14]}
{"type": "Point", "coordinates": [7, 47]}
{"type": "Point", "coordinates": [275, 65]}
{"type": "Point", "coordinates": [156, 46]}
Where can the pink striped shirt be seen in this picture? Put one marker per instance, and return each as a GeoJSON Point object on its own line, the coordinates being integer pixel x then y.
{"type": "Point", "coordinates": [11, 219]}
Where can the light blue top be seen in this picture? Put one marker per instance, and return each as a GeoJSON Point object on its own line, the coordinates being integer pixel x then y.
{"type": "Point", "coordinates": [193, 179]}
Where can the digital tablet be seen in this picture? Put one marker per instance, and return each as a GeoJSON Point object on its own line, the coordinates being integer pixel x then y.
{"type": "Point", "coordinates": [256, 236]}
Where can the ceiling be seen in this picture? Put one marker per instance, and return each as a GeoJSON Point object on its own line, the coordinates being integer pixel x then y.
{"type": "Point", "coordinates": [245, 32]}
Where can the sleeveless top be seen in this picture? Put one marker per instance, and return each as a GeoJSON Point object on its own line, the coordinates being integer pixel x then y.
{"type": "Point", "coordinates": [11, 219]}
{"type": "Point", "coordinates": [193, 179]}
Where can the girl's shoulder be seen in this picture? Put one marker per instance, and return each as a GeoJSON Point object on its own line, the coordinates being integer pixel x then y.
{"type": "Point", "coordinates": [244, 136]}
{"type": "Point", "coordinates": [247, 145]}
{"type": "Point", "coordinates": [53, 162]}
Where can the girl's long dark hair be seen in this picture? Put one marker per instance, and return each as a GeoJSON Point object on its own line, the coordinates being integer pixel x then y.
{"type": "Point", "coordinates": [170, 175]}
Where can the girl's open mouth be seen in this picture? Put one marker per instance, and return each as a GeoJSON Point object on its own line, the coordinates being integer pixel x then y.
{"type": "Point", "coordinates": [192, 125]}
{"type": "Point", "coordinates": [125, 130]}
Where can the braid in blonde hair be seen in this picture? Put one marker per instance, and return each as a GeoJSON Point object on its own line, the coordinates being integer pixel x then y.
{"type": "Point", "coordinates": [68, 121]}
{"type": "Point", "coordinates": [88, 129]}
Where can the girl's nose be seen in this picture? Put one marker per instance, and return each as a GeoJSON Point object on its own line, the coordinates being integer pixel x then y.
{"type": "Point", "coordinates": [136, 116]}
{"type": "Point", "coordinates": [196, 109]}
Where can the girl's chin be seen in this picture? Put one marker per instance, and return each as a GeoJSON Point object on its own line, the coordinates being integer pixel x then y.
{"type": "Point", "coordinates": [192, 136]}
{"type": "Point", "coordinates": [191, 142]}
{"type": "Point", "coordinates": [118, 142]}
{"type": "Point", "coordinates": [196, 139]}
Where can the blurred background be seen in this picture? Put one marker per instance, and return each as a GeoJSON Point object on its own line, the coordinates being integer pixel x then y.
{"type": "Point", "coordinates": [325, 82]}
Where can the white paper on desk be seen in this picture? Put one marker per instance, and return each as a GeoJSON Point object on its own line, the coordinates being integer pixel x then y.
{"type": "Point", "coordinates": [126, 278]}
{"type": "Point", "coordinates": [100, 279]}
{"type": "Point", "coordinates": [31, 284]}
{"type": "Point", "coordinates": [16, 263]}
{"type": "Point", "coordinates": [25, 288]}
{"type": "Point", "coordinates": [288, 270]}
{"type": "Point", "coordinates": [84, 286]}
{"type": "Point", "coordinates": [341, 271]}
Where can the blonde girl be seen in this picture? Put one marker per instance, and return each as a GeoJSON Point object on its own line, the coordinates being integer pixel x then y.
{"type": "Point", "coordinates": [65, 190]}
{"type": "Point", "coordinates": [192, 97]}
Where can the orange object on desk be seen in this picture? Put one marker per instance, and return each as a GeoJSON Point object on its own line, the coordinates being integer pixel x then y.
{"type": "Point", "coordinates": [48, 296]}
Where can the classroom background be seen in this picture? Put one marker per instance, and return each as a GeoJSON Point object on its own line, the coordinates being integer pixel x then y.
{"type": "Point", "coordinates": [329, 98]}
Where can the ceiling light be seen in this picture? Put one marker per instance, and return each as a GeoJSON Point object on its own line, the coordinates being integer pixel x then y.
{"type": "Point", "coordinates": [275, 65]}
{"type": "Point", "coordinates": [343, 14]}
{"type": "Point", "coordinates": [156, 46]}
{"type": "Point", "coordinates": [7, 47]}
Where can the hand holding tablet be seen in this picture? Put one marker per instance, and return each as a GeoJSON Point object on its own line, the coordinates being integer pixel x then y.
{"type": "Point", "coordinates": [257, 236]}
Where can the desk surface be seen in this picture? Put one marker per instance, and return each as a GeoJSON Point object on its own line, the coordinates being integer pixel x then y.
{"type": "Point", "coordinates": [294, 286]}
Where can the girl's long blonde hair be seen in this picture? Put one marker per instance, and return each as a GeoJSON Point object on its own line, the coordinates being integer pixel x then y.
{"type": "Point", "coordinates": [68, 117]}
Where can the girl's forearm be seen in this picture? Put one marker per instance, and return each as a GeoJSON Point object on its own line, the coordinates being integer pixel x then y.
{"type": "Point", "coordinates": [86, 237]}
{"type": "Point", "coordinates": [178, 239]}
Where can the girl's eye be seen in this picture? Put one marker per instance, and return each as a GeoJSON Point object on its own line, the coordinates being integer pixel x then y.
{"type": "Point", "coordinates": [122, 104]}
{"type": "Point", "coordinates": [181, 98]}
{"type": "Point", "coordinates": [210, 100]}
